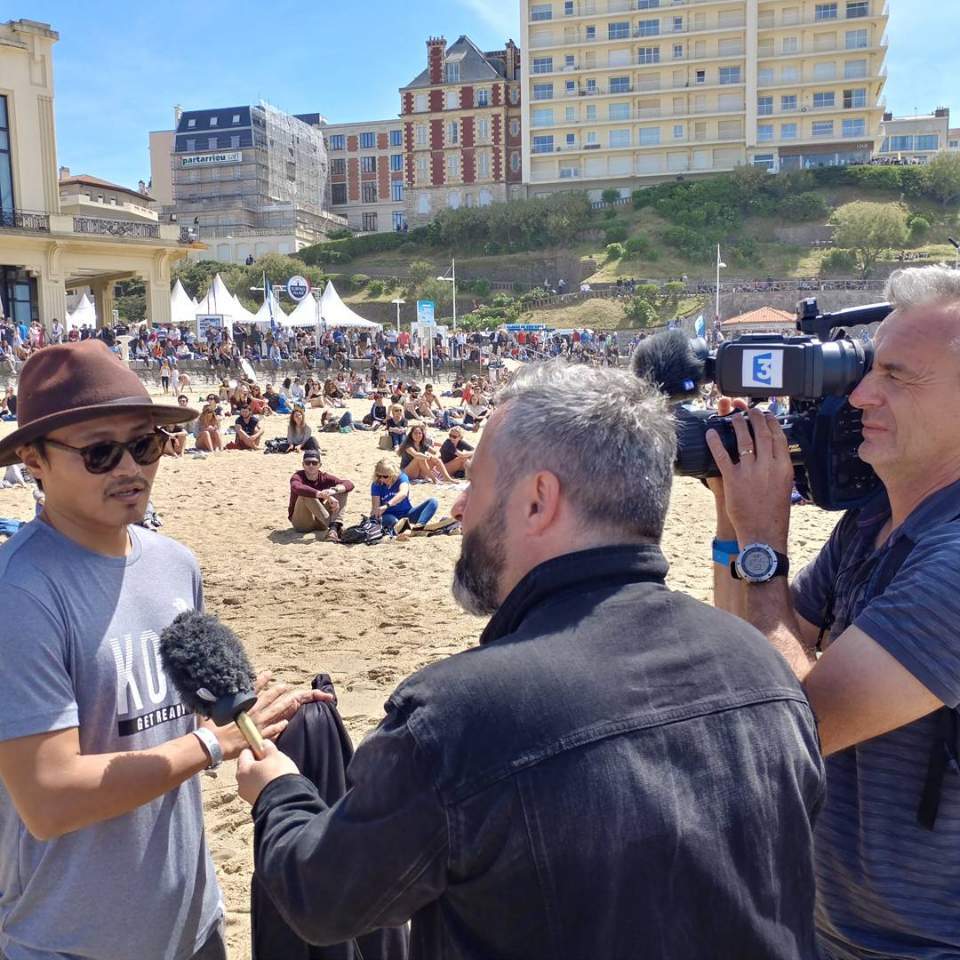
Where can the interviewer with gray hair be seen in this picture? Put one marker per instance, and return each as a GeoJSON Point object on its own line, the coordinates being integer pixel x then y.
{"type": "Point", "coordinates": [616, 769]}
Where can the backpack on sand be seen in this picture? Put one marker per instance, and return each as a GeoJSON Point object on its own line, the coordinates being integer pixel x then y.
{"type": "Point", "coordinates": [368, 531]}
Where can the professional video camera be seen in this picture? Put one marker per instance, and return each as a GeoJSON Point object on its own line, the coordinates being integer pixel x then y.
{"type": "Point", "coordinates": [817, 370]}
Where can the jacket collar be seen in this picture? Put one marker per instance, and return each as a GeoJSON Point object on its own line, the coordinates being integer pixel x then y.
{"type": "Point", "coordinates": [576, 573]}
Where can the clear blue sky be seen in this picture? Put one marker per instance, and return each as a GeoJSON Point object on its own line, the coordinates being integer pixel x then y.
{"type": "Point", "coordinates": [121, 66]}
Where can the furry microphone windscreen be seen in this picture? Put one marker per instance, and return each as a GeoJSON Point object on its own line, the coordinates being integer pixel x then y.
{"type": "Point", "coordinates": [205, 660]}
{"type": "Point", "coordinates": [669, 361]}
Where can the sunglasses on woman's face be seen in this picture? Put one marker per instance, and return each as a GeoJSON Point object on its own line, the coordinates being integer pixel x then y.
{"type": "Point", "coordinates": [102, 457]}
{"type": "Point", "coordinates": [382, 476]}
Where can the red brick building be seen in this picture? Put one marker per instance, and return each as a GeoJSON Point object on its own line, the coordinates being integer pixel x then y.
{"type": "Point", "coordinates": [462, 133]}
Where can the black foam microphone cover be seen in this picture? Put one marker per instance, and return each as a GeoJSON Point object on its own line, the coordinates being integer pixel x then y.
{"type": "Point", "coordinates": [671, 361]}
{"type": "Point", "coordinates": [207, 664]}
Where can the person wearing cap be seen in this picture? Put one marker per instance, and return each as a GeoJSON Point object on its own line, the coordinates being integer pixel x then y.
{"type": "Point", "coordinates": [317, 499]}
{"type": "Point", "coordinates": [102, 847]}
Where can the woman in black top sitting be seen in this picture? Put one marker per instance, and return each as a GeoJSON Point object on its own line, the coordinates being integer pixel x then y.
{"type": "Point", "coordinates": [396, 425]}
{"type": "Point", "coordinates": [456, 453]}
{"type": "Point", "coordinates": [419, 458]}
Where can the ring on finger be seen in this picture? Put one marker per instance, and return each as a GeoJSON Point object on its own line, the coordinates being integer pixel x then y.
{"type": "Point", "coordinates": [746, 451]}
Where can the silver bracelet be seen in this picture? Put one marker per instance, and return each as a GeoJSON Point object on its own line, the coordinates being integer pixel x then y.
{"type": "Point", "coordinates": [211, 745]}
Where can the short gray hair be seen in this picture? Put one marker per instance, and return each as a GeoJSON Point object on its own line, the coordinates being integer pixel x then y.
{"type": "Point", "coordinates": [923, 287]}
{"type": "Point", "coordinates": [607, 435]}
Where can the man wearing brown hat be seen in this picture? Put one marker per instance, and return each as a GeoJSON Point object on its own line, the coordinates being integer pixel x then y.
{"type": "Point", "coordinates": [102, 850]}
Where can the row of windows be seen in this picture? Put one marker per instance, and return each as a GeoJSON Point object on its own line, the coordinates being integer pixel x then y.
{"type": "Point", "coordinates": [451, 99]}
{"type": "Point", "coordinates": [212, 143]}
{"type": "Point", "coordinates": [623, 84]}
{"type": "Point", "coordinates": [852, 70]}
{"type": "Point", "coordinates": [368, 193]}
{"type": "Point", "coordinates": [822, 11]}
{"type": "Point", "coordinates": [855, 99]}
{"type": "Point", "coordinates": [212, 121]}
{"type": "Point", "coordinates": [338, 165]}
{"type": "Point", "coordinates": [849, 130]}
{"type": "Point", "coordinates": [908, 142]}
{"type": "Point", "coordinates": [482, 159]}
{"type": "Point", "coordinates": [732, 129]}
{"type": "Point", "coordinates": [421, 132]}
{"type": "Point", "coordinates": [368, 140]}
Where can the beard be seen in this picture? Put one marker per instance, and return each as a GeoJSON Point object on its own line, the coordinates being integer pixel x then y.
{"type": "Point", "coordinates": [476, 578]}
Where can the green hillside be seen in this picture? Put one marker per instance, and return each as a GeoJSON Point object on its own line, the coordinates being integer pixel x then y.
{"type": "Point", "coordinates": [783, 226]}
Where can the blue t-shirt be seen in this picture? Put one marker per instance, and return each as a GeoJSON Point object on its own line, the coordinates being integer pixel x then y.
{"type": "Point", "coordinates": [384, 493]}
{"type": "Point", "coordinates": [887, 887]}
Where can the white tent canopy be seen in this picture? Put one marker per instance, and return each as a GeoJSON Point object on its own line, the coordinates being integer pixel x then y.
{"type": "Point", "coordinates": [241, 314]}
{"type": "Point", "coordinates": [335, 313]}
{"type": "Point", "coordinates": [262, 317]}
{"type": "Point", "coordinates": [84, 314]}
{"type": "Point", "coordinates": [183, 310]}
{"type": "Point", "coordinates": [218, 300]}
{"type": "Point", "coordinates": [305, 314]}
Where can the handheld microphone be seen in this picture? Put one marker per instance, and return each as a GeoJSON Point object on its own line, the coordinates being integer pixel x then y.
{"type": "Point", "coordinates": [211, 672]}
{"type": "Point", "coordinates": [673, 362]}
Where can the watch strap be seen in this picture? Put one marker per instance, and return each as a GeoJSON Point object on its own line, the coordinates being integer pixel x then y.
{"type": "Point", "coordinates": [781, 570]}
{"type": "Point", "coordinates": [211, 745]}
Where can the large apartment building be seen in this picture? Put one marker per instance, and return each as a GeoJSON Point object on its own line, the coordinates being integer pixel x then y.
{"type": "Point", "coordinates": [462, 129]}
{"type": "Point", "coordinates": [624, 90]}
{"type": "Point", "coordinates": [366, 174]}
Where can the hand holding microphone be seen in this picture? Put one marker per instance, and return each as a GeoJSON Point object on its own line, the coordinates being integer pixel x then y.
{"type": "Point", "coordinates": [208, 666]}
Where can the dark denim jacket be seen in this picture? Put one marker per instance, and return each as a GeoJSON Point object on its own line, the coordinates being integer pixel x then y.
{"type": "Point", "coordinates": [617, 771]}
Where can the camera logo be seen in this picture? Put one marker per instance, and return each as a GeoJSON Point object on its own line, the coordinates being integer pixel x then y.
{"type": "Point", "coordinates": [763, 368]}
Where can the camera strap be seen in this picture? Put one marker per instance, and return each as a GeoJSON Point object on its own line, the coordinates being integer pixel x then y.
{"type": "Point", "coordinates": [945, 750]}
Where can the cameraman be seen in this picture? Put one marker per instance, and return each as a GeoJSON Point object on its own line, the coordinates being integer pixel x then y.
{"type": "Point", "coordinates": [886, 843]}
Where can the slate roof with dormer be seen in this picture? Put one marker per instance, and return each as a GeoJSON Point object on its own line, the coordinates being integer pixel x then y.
{"type": "Point", "coordinates": [475, 65]}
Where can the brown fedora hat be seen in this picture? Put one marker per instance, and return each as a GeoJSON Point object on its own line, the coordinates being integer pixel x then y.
{"type": "Point", "coordinates": [72, 382]}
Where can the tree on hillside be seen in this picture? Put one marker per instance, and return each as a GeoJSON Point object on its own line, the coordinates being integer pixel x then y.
{"type": "Point", "coordinates": [868, 229]}
{"type": "Point", "coordinates": [640, 312]}
{"type": "Point", "coordinates": [942, 178]}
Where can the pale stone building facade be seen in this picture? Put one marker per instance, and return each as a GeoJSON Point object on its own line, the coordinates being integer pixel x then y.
{"type": "Point", "coordinates": [45, 250]}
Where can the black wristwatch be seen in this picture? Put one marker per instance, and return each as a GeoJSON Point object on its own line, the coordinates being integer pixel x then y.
{"type": "Point", "coordinates": [759, 563]}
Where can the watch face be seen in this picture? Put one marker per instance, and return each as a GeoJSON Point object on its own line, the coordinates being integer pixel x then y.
{"type": "Point", "coordinates": [758, 562]}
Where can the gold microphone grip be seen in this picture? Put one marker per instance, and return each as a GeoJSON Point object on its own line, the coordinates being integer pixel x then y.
{"type": "Point", "coordinates": [250, 733]}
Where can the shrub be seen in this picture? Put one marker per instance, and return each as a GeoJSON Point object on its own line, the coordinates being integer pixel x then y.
{"type": "Point", "coordinates": [647, 291]}
{"type": "Point", "coordinates": [641, 312]}
{"type": "Point", "coordinates": [481, 288]}
{"type": "Point", "coordinates": [838, 261]}
{"type": "Point", "coordinates": [637, 245]}
{"type": "Point", "coordinates": [919, 228]}
{"type": "Point", "coordinates": [491, 248]}
{"type": "Point", "coordinates": [610, 196]}
{"type": "Point", "coordinates": [375, 288]}
{"type": "Point", "coordinates": [341, 233]}
{"type": "Point", "coordinates": [614, 251]}
{"type": "Point", "coordinates": [804, 206]}
{"type": "Point", "coordinates": [672, 291]}
{"type": "Point", "coordinates": [641, 198]}
{"type": "Point", "coordinates": [609, 214]}
{"type": "Point", "coordinates": [615, 233]}
{"type": "Point", "coordinates": [421, 271]}
{"type": "Point", "coordinates": [359, 280]}
{"type": "Point", "coordinates": [350, 247]}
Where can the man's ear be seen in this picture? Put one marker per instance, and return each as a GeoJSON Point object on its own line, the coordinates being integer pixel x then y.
{"type": "Point", "coordinates": [542, 502]}
{"type": "Point", "coordinates": [32, 460]}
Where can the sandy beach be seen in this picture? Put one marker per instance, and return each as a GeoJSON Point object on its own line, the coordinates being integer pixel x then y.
{"type": "Point", "coordinates": [368, 616]}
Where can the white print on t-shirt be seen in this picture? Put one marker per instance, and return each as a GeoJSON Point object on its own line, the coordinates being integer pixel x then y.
{"type": "Point", "coordinates": [128, 656]}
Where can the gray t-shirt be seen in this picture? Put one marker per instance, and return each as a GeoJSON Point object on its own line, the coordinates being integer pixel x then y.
{"type": "Point", "coordinates": [79, 635]}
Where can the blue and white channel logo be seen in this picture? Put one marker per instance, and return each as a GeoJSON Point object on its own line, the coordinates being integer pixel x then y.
{"type": "Point", "coordinates": [763, 368]}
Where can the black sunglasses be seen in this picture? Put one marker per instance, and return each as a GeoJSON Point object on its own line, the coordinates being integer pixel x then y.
{"type": "Point", "coordinates": [381, 476]}
{"type": "Point", "coordinates": [102, 457]}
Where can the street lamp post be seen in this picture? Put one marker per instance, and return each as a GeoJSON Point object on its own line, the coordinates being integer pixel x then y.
{"type": "Point", "coordinates": [453, 279]}
{"type": "Point", "coordinates": [720, 264]}
{"type": "Point", "coordinates": [399, 303]}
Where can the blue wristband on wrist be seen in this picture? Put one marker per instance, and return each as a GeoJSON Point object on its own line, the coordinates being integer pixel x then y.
{"type": "Point", "coordinates": [725, 551]}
